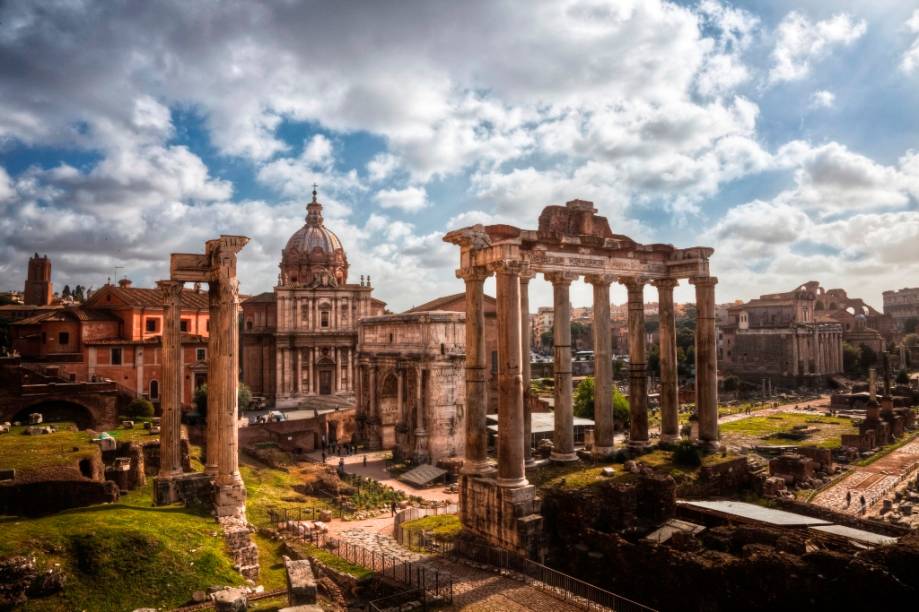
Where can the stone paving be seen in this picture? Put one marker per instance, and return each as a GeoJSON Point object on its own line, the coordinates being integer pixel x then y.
{"type": "Point", "coordinates": [474, 589]}
{"type": "Point", "coordinates": [874, 481]}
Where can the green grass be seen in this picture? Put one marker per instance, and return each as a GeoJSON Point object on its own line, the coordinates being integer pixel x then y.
{"type": "Point", "coordinates": [269, 488]}
{"type": "Point", "coordinates": [759, 427]}
{"type": "Point", "coordinates": [26, 453]}
{"type": "Point", "coordinates": [444, 527]}
{"type": "Point", "coordinates": [122, 556]}
{"type": "Point", "coordinates": [334, 561]}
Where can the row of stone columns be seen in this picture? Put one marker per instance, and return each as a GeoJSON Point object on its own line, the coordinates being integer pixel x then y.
{"type": "Point", "coordinates": [513, 366]}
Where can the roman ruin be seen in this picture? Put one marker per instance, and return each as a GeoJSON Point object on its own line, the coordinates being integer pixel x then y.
{"type": "Point", "coordinates": [217, 267]}
{"type": "Point", "coordinates": [497, 504]}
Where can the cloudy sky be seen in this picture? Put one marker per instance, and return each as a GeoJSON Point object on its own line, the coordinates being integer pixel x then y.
{"type": "Point", "coordinates": [783, 134]}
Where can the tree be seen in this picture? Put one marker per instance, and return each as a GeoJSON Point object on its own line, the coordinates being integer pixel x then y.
{"type": "Point", "coordinates": [654, 360]}
{"type": "Point", "coordinates": [546, 342]}
{"type": "Point", "coordinates": [243, 398]}
{"type": "Point", "coordinates": [910, 325]}
{"type": "Point", "coordinates": [850, 360]}
{"type": "Point", "coordinates": [911, 340]}
{"type": "Point", "coordinates": [902, 377]}
{"type": "Point", "coordinates": [140, 407]}
{"type": "Point", "coordinates": [584, 403]}
{"type": "Point", "coordinates": [66, 292]}
{"type": "Point", "coordinates": [78, 294]}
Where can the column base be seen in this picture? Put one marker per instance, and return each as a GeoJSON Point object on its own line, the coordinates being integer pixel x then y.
{"type": "Point", "coordinates": [501, 517]}
{"type": "Point", "coordinates": [710, 445]}
{"type": "Point", "coordinates": [604, 452]}
{"type": "Point", "coordinates": [529, 462]}
{"type": "Point", "coordinates": [563, 457]}
{"type": "Point", "coordinates": [512, 483]}
{"type": "Point", "coordinates": [638, 445]}
{"type": "Point", "coordinates": [669, 438]}
{"type": "Point", "coordinates": [478, 468]}
{"type": "Point", "coordinates": [230, 498]}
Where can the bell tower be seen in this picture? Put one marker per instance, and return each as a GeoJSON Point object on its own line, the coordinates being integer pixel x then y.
{"type": "Point", "coordinates": [38, 291]}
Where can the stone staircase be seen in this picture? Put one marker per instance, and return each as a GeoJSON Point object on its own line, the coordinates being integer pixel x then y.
{"type": "Point", "coordinates": [243, 551]}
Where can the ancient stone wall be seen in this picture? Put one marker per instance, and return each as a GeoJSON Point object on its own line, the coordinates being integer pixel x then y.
{"type": "Point", "coordinates": [50, 496]}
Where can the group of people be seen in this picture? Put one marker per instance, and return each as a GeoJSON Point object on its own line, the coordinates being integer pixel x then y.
{"type": "Point", "coordinates": [861, 500]}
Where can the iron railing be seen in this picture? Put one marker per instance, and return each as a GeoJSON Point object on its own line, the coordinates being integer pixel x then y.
{"type": "Point", "coordinates": [559, 584]}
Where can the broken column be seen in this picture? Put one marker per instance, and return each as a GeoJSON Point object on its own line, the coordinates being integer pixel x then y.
{"type": "Point", "coordinates": [476, 460]}
{"type": "Point", "coordinates": [706, 360]}
{"type": "Point", "coordinates": [670, 424]}
{"type": "Point", "coordinates": [603, 366]}
{"type": "Point", "coordinates": [563, 437]}
{"type": "Point", "coordinates": [638, 374]}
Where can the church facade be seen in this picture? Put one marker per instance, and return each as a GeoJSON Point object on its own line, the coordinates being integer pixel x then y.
{"type": "Point", "coordinates": [300, 340]}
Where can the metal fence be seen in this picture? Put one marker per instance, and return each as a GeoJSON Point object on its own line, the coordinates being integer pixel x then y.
{"type": "Point", "coordinates": [561, 585]}
{"type": "Point", "coordinates": [437, 587]}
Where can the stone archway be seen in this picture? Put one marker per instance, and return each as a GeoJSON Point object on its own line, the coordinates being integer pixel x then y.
{"type": "Point", "coordinates": [389, 409]}
{"type": "Point", "coordinates": [59, 410]}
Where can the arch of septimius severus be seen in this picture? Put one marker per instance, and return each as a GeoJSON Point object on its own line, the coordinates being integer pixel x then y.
{"type": "Point", "coordinates": [499, 506]}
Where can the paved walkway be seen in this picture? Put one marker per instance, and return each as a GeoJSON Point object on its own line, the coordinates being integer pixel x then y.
{"type": "Point", "coordinates": [873, 481]}
{"type": "Point", "coordinates": [474, 589]}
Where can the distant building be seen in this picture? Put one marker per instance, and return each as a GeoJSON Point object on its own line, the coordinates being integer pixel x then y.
{"type": "Point", "coordinates": [902, 305]}
{"type": "Point", "coordinates": [115, 335]}
{"type": "Point", "coordinates": [780, 336]}
{"type": "Point", "coordinates": [299, 341]}
{"type": "Point", "coordinates": [38, 289]}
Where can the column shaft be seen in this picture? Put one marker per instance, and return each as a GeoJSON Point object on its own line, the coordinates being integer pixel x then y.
{"type": "Point", "coordinates": [214, 381]}
{"type": "Point", "coordinates": [511, 472]}
{"type": "Point", "coordinates": [476, 451]}
{"type": "Point", "coordinates": [638, 367]}
{"type": "Point", "coordinates": [525, 366]}
{"type": "Point", "coordinates": [421, 434]}
{"type": "Point", "coordinates": [706, 360]}
{"type": "Point", "coordinates": [603, 367]}
{"type": "Point", "coordinates": [670, 404]}
{"type": "Point", "coordinates": [171, 398]}
{"type": "Point", "coordinates": [563, 436]}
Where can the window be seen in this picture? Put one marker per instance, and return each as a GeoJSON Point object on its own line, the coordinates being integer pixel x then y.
{"type": "Point", "coordinates": [184, 325]}
{"type": "Point", "coordinates": [116, 356]}
{"type": "Point", "coordinates": [249, 324]}
{"type": "Point", "coordinates": [151, 325]}
{"type": "Point", "coordinates": [324, 318]}
{"type": "Point", "coordinates": [494, 362]}
{"type": "Point", "coordinates": [200, 354]}
{"type": "Point", "coordinates": [63, 338]}
{"type": "Point", "coordinates": [154, 390]}
{"type": "Point", "coordinates": [207, 325]}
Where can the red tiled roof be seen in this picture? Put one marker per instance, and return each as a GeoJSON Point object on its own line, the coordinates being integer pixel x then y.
{"type": "Point", "coordinates": [439, 303]}
{"type": "Point", "coordinates": [266, 297]}
{"type": "Point", "coordinates": [152, 341]}
{"type": "Point", "coordinates": [148, 298]}
{"type": "Point", "coordinates": [78, 313]}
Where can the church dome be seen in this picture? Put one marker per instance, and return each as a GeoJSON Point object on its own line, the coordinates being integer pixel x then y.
{"type": "Point", "coordinates": [314, 256]}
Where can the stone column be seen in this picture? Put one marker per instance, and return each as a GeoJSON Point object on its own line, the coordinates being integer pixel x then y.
{"type": "Point", "coordinates": [563, 436]}
{"type": "Point", "coordinates": [638, 367]}
{"type": "Point", "coordinates": [603, 366]}
{"type": "Point", "coordinates": [511, 471]}
{"type": "Point", "coordinates": [421, 434]}
{"type": "Point", "coordinates": [525, 277]}
{"type": "Point", "coordinates": [350, 369]}
{"type": "Point", "coordinates": [214, 383]}
{"type": "Point", "coordinates": [476, 459]}
{"type": "Point", "coordinates": [670, 404]}
{"type": "Point", "coordinates": [400, 391]}
{"type": "Point", "coordinates": [170, 397]}
{"type": "Point", "coordinates": [231, 494]}
{"type": "Point", "coordinates": [706, 360]}
{"type": "Point", "coordinates": [298, 369]}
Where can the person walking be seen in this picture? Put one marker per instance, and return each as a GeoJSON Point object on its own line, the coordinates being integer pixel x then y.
{"type": "Point", "coordinates": [365, 460]}
{"type": "Point", "coordinates": [848, 498]}
{"type": "Point", "coordinates": [392, 508]}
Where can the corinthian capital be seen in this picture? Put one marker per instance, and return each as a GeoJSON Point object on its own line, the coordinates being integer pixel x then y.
{"type": "Point", "coordinates": [634, 283]}
{"type": "Point", "coordinates": [665, 284]}
{"type": "Point", "coordinates": [473, 274]}
{"type": "Point", "coordinates": [704, 281]}
{"type": "Point", "coordinates": [507, 266]}
{"type": "Point", "coordinates": [171, 291]}
{"type": "Point", "coordinates": [560, 278]}
{"type": "Point", "coordinates": [600, 279]}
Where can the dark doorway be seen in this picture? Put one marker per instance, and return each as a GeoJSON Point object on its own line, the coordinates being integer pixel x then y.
{"type": "Point", "coordinates": [333, 431]}
{"type": "Point", "coordinates": [325, 382]}
{"type": "Point", "coordinates": [58, 411]}
{"type": "Point", "coordinates": [200, 380]}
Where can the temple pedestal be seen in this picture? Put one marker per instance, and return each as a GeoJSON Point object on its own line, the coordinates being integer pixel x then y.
{"type": "Point", "coordinates": [502, 517]}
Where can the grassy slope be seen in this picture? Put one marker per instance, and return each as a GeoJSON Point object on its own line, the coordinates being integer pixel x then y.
{"type": "Point", "coordinates": [25, 453]}
{"type": "Point", "coordinates": [759, 426]}
{"type": "Point", "coordinates": [442, 526]}
{"type": "Point", "coordinates": [122, 556]}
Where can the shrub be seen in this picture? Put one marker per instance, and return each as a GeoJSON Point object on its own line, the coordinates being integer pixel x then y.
{"type": "Point", "coordinates": [140, 407]}
{"type": "Point", "coordinates": [686, 454]}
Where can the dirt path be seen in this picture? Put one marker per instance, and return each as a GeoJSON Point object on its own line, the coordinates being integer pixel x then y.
{"type": "Point", "coordinates": [873, 481]}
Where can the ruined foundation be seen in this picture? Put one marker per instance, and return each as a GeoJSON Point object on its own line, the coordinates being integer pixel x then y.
{"type": "Point", "coordinates": [500, 516]}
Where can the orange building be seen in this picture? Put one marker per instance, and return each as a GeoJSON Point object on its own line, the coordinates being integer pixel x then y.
{"type": "Point", "coordinates": [116, 335]}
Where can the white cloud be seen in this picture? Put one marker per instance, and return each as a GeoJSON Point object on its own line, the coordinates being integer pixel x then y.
{"type": "Point", "coordinates": [318, 151]}
{"type": "Point", "coordinates": [910, 60]}
{"type": "Point", "coordinates": [823, 99]}
{"type": "Point", "coordinates": [410, 199]}
{"type": "Point", "coordinates": [801, 42]}
{"type": "Point", "coordinates": [382, 166]}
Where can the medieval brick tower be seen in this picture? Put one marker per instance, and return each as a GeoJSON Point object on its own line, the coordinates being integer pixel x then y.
{"type": "Point", "coordinates": [38, 290]}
